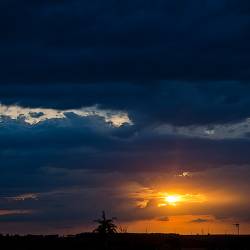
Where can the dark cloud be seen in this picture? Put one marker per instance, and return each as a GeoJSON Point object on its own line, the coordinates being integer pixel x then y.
{"type": "Point", "coordinates": [76, 41]}
{"type": "Point", "coordinates": [199, 220]}
{"type": "Point", "coordinates": [163, 218]}
{"type": "Point", "coordinates": [178, 103]}
{"type": "Point", "coordinates": [181, 63]}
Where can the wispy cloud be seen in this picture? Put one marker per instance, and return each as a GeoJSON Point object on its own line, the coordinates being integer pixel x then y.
{"type": "Point", "coordinates": [200, 220]}
{"type": "Point", "coordinates": [4, 212]}
{"type": "Point", "coordinates": [23, 197]}
{"type": "Point", "coordinates": [216, 132]}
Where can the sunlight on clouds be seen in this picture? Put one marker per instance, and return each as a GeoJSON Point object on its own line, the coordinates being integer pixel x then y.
{"type": "Point", "coordinates": [144, 196]}
{"type": "Point", "coordinates": [34, 116]}
{"type": "Point", "coordinates": [23, 197]}
{"type": "Point", "coordinates": [30, 115]}
{"type": "Point", "coordinates": [175, 199]}
{"type": "Point", "coordinates": [185, 174]}
{"type": "Point", "coordinates": [142, 203]}
{"type": "Point", "coordinates": [116, 118]}
{"type": "Point", "coordinates": [4, 212]}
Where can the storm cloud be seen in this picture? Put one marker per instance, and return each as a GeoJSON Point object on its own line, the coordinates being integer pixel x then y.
{"type": "Point", "coordinates": [100, 99]}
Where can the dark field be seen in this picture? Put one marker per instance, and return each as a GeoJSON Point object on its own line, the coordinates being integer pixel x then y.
{"type": "Point", "coordinates": [90, 241]}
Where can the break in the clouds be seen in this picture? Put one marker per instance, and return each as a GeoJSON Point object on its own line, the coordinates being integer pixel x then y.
{"type": "Point", "coordinates": [124, 106]}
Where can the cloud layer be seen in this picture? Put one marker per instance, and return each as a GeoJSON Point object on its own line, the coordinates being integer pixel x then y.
{"type": "Point", "coordinates": [130, 151]}
{"type": "Point", "coordinates": [76, 41]}
{"type": "Point", "coordinates": [104, 105]}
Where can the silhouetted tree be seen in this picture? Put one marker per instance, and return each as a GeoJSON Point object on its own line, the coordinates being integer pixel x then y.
{"type": "Point", "coordinates": [106, 226]}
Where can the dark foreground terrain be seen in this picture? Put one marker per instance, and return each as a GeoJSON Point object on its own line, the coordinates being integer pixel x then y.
{"type": "Point", "coordinates": [90, 241]}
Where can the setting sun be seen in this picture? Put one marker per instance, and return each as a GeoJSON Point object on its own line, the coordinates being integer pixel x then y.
{"type": "Point", "coordinates": [172, 199]}
{"type": "Point", "coordinates": [176, 199]}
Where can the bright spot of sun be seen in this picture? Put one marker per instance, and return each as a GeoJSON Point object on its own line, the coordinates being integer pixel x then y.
{"type": "Point", "coordinates": [166, 199]}
{"type": "Point", "coordinates": [172, 199]}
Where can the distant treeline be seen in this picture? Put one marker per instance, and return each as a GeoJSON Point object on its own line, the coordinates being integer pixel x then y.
{"type": "Point", "coordinates": [125, 241]}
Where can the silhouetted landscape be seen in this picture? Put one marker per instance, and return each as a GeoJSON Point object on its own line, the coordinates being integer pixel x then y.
{"type": "Point", "coordinates": [108, 236]}
{"type": "Point", "coordinates": [92, 241]}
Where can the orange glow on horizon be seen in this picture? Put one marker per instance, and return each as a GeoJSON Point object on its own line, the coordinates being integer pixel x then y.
{"type": "Point", "coordinates": [186, 224]}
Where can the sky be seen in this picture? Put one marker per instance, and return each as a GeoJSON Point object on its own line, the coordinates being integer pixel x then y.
{"type": "Point", "coordinates": [139, 108]}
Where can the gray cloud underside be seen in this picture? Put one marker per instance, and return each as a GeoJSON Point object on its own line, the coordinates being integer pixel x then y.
{"type": "Point", "coordinates": [77, 41]}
